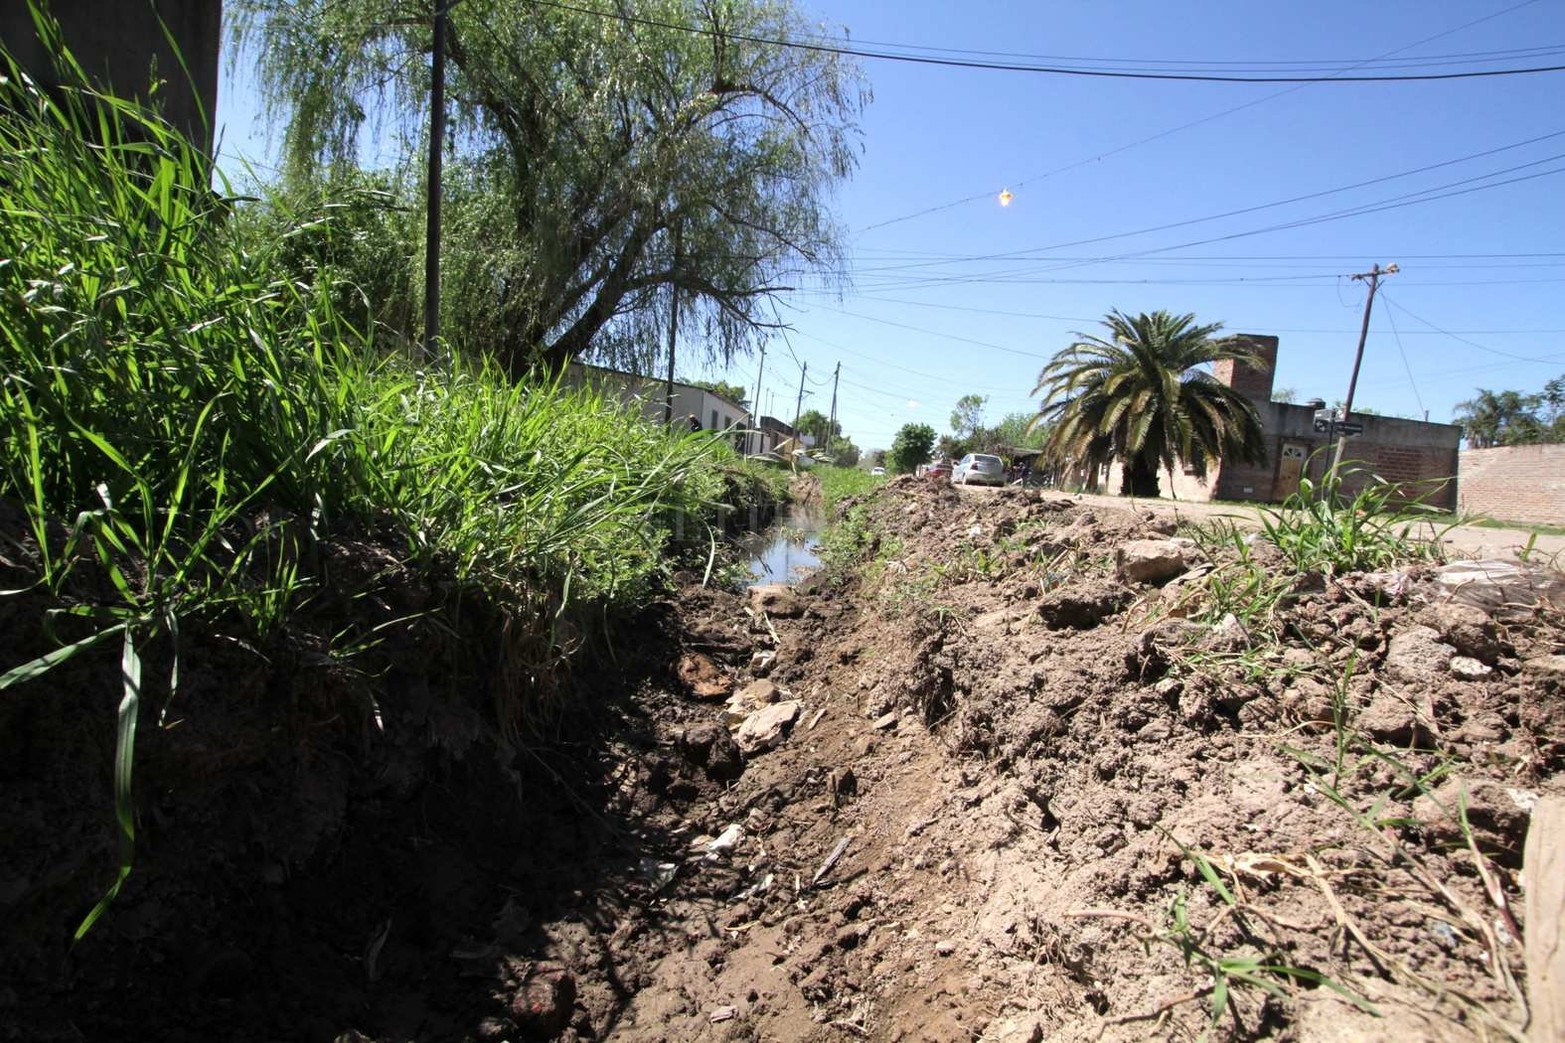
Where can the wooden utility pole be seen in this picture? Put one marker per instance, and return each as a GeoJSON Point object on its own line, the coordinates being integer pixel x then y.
{"type": "Point", "coordinates": [831, 423]}
{"type": "Point", "coordinates": [1373, 275]}
{"type": "Point", "coordinates": [673, 329]}
{"type": "Point", "coordinates": [437, 140]}
{"type": "Point", "coordinates": [804, 367]}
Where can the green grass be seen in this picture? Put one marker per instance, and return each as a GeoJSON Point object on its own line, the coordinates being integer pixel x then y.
{"type": "Point", "coordinates": [195, 424]}
{"type": "Point", "coordinates": [838, 483]}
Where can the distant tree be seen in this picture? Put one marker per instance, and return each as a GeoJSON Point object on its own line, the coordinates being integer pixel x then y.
{"type": "Point", "coordinates": [814, 422]}
{"type": "Point", "coordinates": [951, 448]}
{"type": "Point", "coordinates": [1496, 418]}
{"type": "Point", "coordinates": [910, 447]}
{"type": "Point", "coordinates": [967, 419]}
{"type": "Point", "coordinates": [844, 453]}
{"type": "Point", "coordinates": [733, 392]}
{"type": "Point", "coordinates": [1285, 395]}
{"type": "Point", "coordinates": [1016, 431]}
{"type": "Point", "coordinates": [877, 458]}
{"type": "Point", "coordinates": [1143, 395]}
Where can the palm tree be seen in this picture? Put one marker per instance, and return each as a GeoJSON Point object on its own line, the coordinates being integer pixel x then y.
{"type": "Point", "coordinates": [1145, 396]}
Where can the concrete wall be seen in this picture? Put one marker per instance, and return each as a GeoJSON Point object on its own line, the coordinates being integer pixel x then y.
{"type": "Point", "coordinates": [1524, 483]}
{"type": "Point", "coordinates": [121, 45]}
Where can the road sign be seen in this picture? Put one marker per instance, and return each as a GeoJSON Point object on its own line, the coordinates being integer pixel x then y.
{"type": "Point", "coordinates": [1340, 428]}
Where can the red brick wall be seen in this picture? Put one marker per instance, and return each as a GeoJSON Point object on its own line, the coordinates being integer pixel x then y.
{"type": "Point", "coordinates": [1519, 483]}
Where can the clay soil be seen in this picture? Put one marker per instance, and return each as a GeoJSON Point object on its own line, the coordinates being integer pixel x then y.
{"type": "Point", "coordinates": [1009, 795]}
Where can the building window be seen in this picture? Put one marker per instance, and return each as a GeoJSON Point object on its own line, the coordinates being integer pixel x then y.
{"type": "Point", "coordinates": [715, 426]}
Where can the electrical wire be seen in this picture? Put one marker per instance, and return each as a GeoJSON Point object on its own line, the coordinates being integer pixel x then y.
{"type": "Point", "coordinates": [1024, 182]}
{"type": "Point", "coordinates": [1405, 364]}
{"type": "Point", "coordinates": [1455, 337]}
{"type": "Point", "coordinates": [912, 58]}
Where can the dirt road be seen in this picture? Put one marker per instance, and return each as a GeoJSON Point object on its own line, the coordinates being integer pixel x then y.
{"type": "Point", "coordinates": [1472, 541]}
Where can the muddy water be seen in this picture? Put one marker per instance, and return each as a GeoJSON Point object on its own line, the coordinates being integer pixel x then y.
{"type": "Point", "coordinates": [784, 552]}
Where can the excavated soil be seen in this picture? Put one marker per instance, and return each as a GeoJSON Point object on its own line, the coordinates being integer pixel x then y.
{"type": "Point", "coordinates": [975, 785]}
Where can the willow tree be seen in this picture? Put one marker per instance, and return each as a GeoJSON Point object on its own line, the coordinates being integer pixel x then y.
{"type": "Point", "coordinates": [603, 161]}
{"type": "Point", "coordinates": [1144, 395]}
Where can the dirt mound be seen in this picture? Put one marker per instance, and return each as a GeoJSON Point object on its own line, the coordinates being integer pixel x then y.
{"type": "Point", "coordinates": [975, 781]}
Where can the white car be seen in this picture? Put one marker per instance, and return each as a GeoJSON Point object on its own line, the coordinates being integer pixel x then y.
{"type": "Point", "coordinates": [877, 471]}
{"type": "Point", "coordinates": [979, 469]}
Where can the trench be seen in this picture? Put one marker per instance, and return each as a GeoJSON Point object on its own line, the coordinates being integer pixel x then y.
{"type": "Point", "coordinates": [784, 552]}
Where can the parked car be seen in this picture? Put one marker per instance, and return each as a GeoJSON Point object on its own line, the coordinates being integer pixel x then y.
{"type": "Point", "coordinates": [979, 469]}
{"type": "Point", "coordinates": [878, 472]}
{"type": "Point", "coordinates": [937, 469]}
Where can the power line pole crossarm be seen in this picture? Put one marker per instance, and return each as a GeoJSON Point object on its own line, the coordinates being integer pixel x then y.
{"type": "Point", "coordinates": [1373, 275]}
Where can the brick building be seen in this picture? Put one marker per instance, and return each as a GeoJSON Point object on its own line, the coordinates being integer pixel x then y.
{"type": "Point", "coordinates": [1419, 457]}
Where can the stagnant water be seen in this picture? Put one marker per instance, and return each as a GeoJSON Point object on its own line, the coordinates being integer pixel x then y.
{"type": "Point", "coordinates": [784, 552]}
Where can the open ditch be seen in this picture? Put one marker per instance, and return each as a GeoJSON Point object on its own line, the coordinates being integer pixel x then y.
{"type": "Point", "coordinates": [975, 781]}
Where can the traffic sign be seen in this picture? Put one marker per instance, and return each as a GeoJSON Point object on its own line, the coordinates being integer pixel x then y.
{"type": "Point", "coordinates": [1351, 427]}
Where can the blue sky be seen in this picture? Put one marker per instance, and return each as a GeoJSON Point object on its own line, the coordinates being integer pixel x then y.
{"type": "Point", "coordinates": [930, 313]}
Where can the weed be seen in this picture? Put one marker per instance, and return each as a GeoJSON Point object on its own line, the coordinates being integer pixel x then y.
{"type": "Point", "coordinates": [1321, 528]}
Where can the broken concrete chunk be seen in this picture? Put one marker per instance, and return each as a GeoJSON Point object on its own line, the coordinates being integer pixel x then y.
{"type": "Point", "coordinates": [886, 721]}
{"type": "Point", "coordinates": [1150, 561]}
{"type": "Point", "coordinates": [1418, 655]}
{"type": "Point", "coordinates": [765, 728]}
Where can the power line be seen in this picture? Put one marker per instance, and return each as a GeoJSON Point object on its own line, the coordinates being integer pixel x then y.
{"type": "Point", "coordinates": [1193, 123]}
{"type": "Point", "coordinates": [1464, 340]}
{"type": "Point", "coordinates": [1407, 365]}
{"type": "Point", "coordinates": [1026, 67]}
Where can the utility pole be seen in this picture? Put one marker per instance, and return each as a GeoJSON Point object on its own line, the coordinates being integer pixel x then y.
{"type": "Point", "coordinates": [831, 423]}
{"type": "Point", "coordinates": [1373, 275]}
{"type": "Point", "coordinates": [437, 139]}
{"type": "Point", "coordinates": [673, 328]}
{"type": "Point", "coordinates": [755, 410]}
{"type": "Point", "coordinates": [798, 407]}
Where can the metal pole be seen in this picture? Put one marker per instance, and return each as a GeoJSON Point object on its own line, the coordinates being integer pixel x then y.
{"type": "Point", "coordinates": [1373, 275]}
{"type": "Point", "coordinates": [437, 137]}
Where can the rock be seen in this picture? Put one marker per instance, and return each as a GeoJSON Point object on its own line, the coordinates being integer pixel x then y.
{"type": "Point", "coordinates": [541, 1005]}
{"type": "Point", "coordinates": [885, 721]}
{"type": "Point", "coordinates": [1467, 629]}
{"type": "Point", "coordinates": [761, 663]}
{"type": "Point", "coordinates": [1393, 720]}
{"type": "Point", "coordinates": [1497, 814]}
{"type": "Point", "coordinates": [776, 599]}
{"type": "Point", "coordinates": [1082, 606]}
{"type": "Point", "coordinates": [1547, 667]}
{"type": "Point", "coordinates": [1228, 635]}
{"type": "Point", "coordinates": [1466, 668]}
{"type": "Point", "coordinates": [1025, 1028]}
{"type": "Point", "coordinates": [1150, 561]}
{"type": "Point", "coordinates": [766, 727]}
{"type": "Point", "coordinates": [849, 937]}
{"type": "Point", "coordinates": [707, 745]}
{"type": "Point", "coordinates": [704, 678]}
{"type": "Point", "coordinates": [945, 947]}
{"type": "Point", "coordinates": [495, 1030]}
{"type": "Point", "coordinates": [760, 693]}
{"type": "Point", "coordinates": [1417, 655]}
